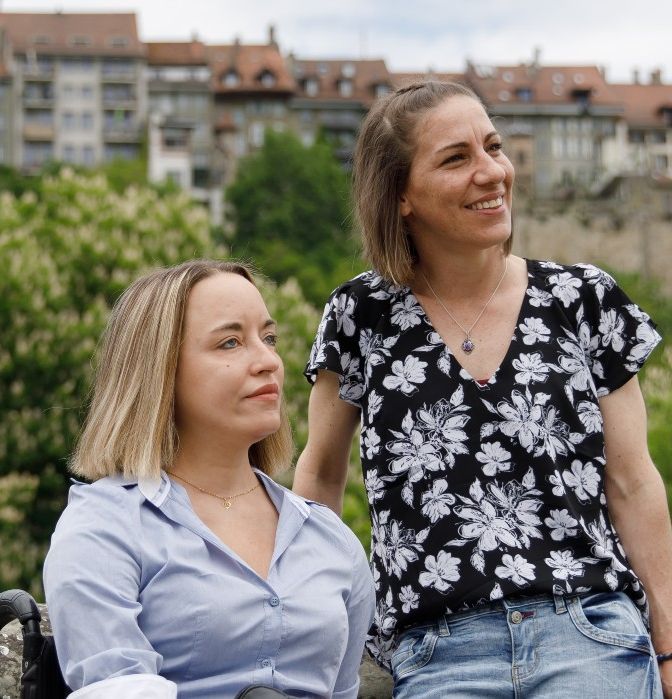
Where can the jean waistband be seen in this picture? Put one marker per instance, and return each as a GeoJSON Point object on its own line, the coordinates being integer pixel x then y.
{"type": "Point", "coordinates": [502, 605]}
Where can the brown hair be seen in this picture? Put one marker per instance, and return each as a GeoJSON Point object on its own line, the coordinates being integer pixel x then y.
{"type": "Point", "coordinates": [130, 428]}
{"type": "Point", "coordinates": [382, 162]}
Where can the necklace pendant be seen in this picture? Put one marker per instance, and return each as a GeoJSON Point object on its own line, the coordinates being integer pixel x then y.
{"type": "Point", "coordinates": [468, 345]}
{"type": "Point", "coordinates": [226, 504]}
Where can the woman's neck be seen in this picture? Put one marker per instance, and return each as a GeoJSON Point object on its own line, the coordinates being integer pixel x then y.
{"type": "Point", "coordinates": [460, 275]}
{"type": "Point", "coordinates": [213, 466]}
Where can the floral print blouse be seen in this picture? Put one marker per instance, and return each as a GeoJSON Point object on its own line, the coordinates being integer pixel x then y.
{"type": "Point", "coordinates": [479, 491]}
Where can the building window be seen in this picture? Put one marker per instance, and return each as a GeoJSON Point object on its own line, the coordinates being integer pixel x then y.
{"type": "Point", "coordinates": [69, 123]}
{"type": "Point", "coordinates": [636, 136]}
{"type": "Point", "coordinates": [660, 163]}
{"type": "Point", "coordinates": [257, 134]}
{"type": "Point", "coordinates": [76, 65]}
{"type": "Point", "coordinates": [231, 79]}
{"type": "Point", "coordinates": [87, 121]}
{"type": "Point", "coordinates": [504, 95]}
{"type": "Point", "coordinates": [87, 92]}
{"type": "Point", "coordinates": [80, 40]}
{"type": "Point", "coordinates": [348, 70]}
{"type": "Point", "coordinates": [345, 88]}
{"type": "Point", "coordinates": [118, 42]}
{"type": "Point", "coordinates": [268, 79]}
{"type": "Point", "coordinates": [524, 94]}
{"type": "Point", "coordinates": [175, 138]}
{"type": "Point", "coordinates": [41, 40]}
{"type": "Point", "coordinates": [69, 154]}
{"type": "Point", "coordinates": [88, 155]}
{"type": "Point", "coordinates": [37, 153]}
{"type": "Point", "coordinates": [381, 90]}
{"type": "Point", "coordinates": [312, 87]}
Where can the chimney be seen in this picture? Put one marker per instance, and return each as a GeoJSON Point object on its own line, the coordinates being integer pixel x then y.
{"type": "Point", "coordinates": [635, 76]}
{"type": "Point", "coordinates": [656, 77]}
{"type": "Point", "coordinates": [271, 36]}
{"type": "Point", "coordinates": [536, 58]}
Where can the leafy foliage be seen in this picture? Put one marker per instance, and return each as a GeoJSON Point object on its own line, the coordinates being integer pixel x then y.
{"type": "Point", "coordinates": [289, 208]}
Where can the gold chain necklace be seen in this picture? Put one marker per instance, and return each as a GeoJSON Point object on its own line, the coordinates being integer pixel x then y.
{"type": "Point", "coordinates": [226, 504]}
{"type": "Point", "coordinates": [468, 345]}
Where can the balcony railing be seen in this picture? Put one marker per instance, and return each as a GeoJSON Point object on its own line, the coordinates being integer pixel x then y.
{"type": "Point", "coordinates": [38, 132]}
{"type": "Point", "coordinates": [122, 133]}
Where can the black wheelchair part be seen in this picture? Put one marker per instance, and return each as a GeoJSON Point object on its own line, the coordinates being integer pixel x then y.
{"type": "Point", "coordinates": [41, 676]}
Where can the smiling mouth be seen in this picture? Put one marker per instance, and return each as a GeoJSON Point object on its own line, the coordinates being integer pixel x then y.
{"type": "Point", "coordinates": [492, 204]}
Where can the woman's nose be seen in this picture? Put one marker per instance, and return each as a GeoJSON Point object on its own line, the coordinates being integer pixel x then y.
{"type": "Point", "coordinates": [489, 170]}
{"type": "Point", "coordinates": [266, 359]}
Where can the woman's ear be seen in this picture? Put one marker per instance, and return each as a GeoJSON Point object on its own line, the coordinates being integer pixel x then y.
{"type": "Point", "coordinates": [404, 206]}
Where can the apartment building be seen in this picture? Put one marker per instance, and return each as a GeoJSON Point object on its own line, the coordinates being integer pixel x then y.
{"type": "Point", "coordinates": [332, 96]}
{"type": "Point", "coordinates": [555, 120]}
{"type": "Point", "coordinates": [252, 88]}
{"type": "Point", "coordinates": [642, 143]}
{"type": "Point", "coordinates": [181, 139]}
{"type": "Point", "coordinates": [77, 87]}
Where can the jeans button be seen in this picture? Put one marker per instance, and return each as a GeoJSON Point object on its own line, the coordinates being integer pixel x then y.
{"type": "Point", "coordinates": [516, 617]}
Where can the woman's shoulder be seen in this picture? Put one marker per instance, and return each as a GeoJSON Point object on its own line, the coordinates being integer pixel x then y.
{"type": "Point", "coordinates": [368, 284]}
{"type": "Point", "coordinates": [549, 269]}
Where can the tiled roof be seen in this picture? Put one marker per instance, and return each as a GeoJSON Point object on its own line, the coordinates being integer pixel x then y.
{"type": "Point", "coordinates": [365, 75]}
{"type": "Point", "coordinates": [58, 33]}
{"type": "Point", "coordinates": [250, 63]}
{"type": "Point", "coordinates": [403, 79]}
{"type": "Point", "coordinates": [171, 53]}
{"type": "Point", "coordinates": [539, 84]}
{"type": "Point", "coordinates": [643, 104]}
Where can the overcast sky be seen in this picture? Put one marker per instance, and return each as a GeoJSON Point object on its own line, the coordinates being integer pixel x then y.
{"type": "Point", "coordinates": [417, 34]}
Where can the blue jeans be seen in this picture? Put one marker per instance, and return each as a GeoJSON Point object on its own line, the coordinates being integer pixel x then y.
{"type": "Point", "coordinates": [593, 646]}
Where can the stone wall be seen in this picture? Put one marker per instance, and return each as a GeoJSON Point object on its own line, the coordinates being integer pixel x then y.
{"type": "Point", "coordinates": [375, 684]}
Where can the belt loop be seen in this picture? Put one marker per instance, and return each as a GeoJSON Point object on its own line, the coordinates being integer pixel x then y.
{"type": "Point", "coordinates": [442, 626]}
{"type": "Point", "coordinates": [560, 605]}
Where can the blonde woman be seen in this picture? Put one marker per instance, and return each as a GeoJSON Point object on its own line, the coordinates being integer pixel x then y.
{"type": "Point", "coordinates": [183, 568]}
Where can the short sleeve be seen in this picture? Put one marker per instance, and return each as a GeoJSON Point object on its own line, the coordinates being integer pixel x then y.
{"type": "Point", "coordinates": [622, 335]}
{"type": "Point", "coordinates": [336, 346]}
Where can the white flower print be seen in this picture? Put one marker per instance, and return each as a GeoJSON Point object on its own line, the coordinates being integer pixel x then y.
{"type": "Point", "coordinates": [554, 435]}
{"type": "Point", "coordinates": [583, 479]}
{"type": "Point", "coordinates": [521, 419]}
{"type": "Point", "coordinates": [598, 278]}
{"type": "Point", "coordinates": [486, 525]}
{"type": "Point", "coordinates": [494, 458]}
{"type": "Point", "coordinates": [496, 592]}
{"type": "Point", "coordinates": [590, 416]}
{"type": "Point", "coordinates": [385, 615]}
{"type": "Point", "coordinates": [612, 327]}
{"type": "Point", "coordinates": [371, 442]}
{"type": "Point", "coordinates": [375, 487]}
{"type": "Point", "coordinates": [443, 424]}
{"type": "Point", "coordinates": [561, 524]}
{"type": "Point", "coordinates": [564, 564]}
{"type": "Point", "coordinates": [534, 330]}
{"type": "Point", "coordinates": [376, 577]}
{"type": "Point", "coordinates": [565, 287]}
{"type": "Point", "coordinates": [414, 453]}
{"type": "Point", "coordinates": [374, 349]}
{"type": "Point", "coordinates": [603, 542]}
{"type": "Point", "coordinates": [436, 501]}
{"type": "Point", "coordinates": [352, 385]}
{"type": "Point", "coordinates": [374, 404]}
{"type": "Point", "coordinates": [539, 298]}
{"type": "Point", "coordinates": [647, 339]}
{"type": "Point", "coordinates": [574, 362]}
{"type": "Point", "coordinates": [409, 599]}
{"type": "Point", "coordinates": [558, 485]}
{"type": "Point", "coordinates": [517, 568]}
{"type": "Point", "coordinates": [530, 368]}
{"type": "Point", "coordinates": [440, 571]}
{"type": "Point", "coordinates": [406, 313]}
{"type": "Point", "coordinates": [344, 307]}
{"type": "Point", "coordinates": [406, 375]}
{"type": "Point", "coordinates": [396, 545]}
{"type": "Point", "coordinates": [637, 313]}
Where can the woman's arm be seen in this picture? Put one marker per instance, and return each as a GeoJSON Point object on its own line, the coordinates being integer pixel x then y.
{"type": "Point", "coordinates": [322, 468]}
{"type": "Point", "coordinates": [92, 579]}
{"type": "Point", "coordinates": [638, 508]}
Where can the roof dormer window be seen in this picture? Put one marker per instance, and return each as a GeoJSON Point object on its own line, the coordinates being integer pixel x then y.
{"type": "Point", "coordinates": [231, 78]}
{"type": "Point", "coordinates": [41, 40]}
{"type": "Point", "coordinates": [267, 78]}
{"type": "Point", "coordinates": [80, 40]}
{"type": "Point", "coordinates": [348, 70]}
{"type": "Point", "coordinates": [118, 42]}
{"type": "Point", "coordinates": [524, 94]}
{"type": "Point", "coordinates": [311, 86]}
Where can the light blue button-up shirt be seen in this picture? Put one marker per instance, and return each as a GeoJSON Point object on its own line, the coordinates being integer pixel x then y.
{"type": "Point", "coordinates": [136, 584]}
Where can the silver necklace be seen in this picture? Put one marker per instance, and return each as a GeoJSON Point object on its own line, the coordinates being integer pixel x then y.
{"type": "Point", "coordinates": [468, 345]}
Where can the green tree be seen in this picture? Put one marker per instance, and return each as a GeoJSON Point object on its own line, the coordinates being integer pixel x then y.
{"type": "Point", "coordinates": [289, 207]}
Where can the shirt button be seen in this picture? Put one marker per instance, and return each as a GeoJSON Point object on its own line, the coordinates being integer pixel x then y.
{"type": "Point", "coordinates": [516, 617]}
{"type": "Point", "coordinates": [274, 601]}
{"type": "Point", "coordinates": [266, 663]}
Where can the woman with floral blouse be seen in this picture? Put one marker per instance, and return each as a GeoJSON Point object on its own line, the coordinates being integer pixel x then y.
{"type": "Point", "coordinates": [521, 542]}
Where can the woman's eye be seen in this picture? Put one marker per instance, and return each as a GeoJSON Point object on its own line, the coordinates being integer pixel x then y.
{"type": "Point", "coordinates": [229, 343]}
{"type": "Point", "coordinates": [496, 146]}
{"type": "Point", "coordinates": [453, 159]}
{"type": "Point", "coordinates": [271, 340]}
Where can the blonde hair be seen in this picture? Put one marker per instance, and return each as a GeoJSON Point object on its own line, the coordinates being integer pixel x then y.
{"type": "Point", "coordinates": [130, 428]}
{"type": "Point", "coordinates": [382, 161]}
